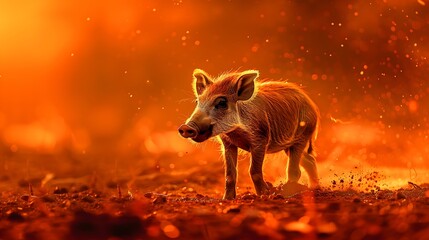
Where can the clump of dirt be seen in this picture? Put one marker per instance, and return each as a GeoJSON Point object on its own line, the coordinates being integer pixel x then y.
{"type": "Point", "coordinates": [363, 181]}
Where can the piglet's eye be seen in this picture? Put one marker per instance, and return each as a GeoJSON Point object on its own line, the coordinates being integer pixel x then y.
{"type": "Point", "coordinates": [221, 103]}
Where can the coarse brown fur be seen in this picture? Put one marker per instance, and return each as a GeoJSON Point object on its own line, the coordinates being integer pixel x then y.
{"type": "Point", "coordinates": [257, 116]}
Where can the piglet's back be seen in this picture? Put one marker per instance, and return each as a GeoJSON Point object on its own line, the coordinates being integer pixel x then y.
{"type": "Point", "coordinates": [282, 109]}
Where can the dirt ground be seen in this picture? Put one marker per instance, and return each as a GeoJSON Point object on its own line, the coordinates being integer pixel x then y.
{"type": "Point", "coordinates": [188, 205]}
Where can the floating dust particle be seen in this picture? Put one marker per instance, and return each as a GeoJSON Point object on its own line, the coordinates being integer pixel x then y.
{"type": "Point", "coordinates": [326, 228]}
{"type": "Point", "coordinates": [412, 106]}
{"type": "Point", "coordinates": [314, 76]}
{"type": "Point", "coordinates": [171, 231]}
{"type": "Point", "coordinates": [324, 77]}
{"type": "Point", "coordinates": [298, 226]}
{"type": "Point", "coordinates": [153, 231]}
{"type": "Point", "coordinates": [255, 47]}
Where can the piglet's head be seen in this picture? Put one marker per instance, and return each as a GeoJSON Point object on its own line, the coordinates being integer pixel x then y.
{"type": "Point", "coordinates": [216, 111]}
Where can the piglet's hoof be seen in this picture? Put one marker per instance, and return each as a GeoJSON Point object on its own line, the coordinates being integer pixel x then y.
{"type": "Point", "coordinates": [229, 195]}
{"type": "Point", "coordinates": [262, 189]}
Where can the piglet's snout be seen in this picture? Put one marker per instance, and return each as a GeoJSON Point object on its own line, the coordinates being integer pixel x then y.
{"type": "Point", "coordinates": [187, 132]}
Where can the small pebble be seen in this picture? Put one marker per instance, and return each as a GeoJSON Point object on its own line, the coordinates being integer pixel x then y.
{"type": "Point", "coordinates": [25, 197]}
{"type": "Point", "coordinates": [148, 195]}
{"type": "Point", "coordinates": [400, 195]}
{"type": "Point", "coordinates": [161, 199]}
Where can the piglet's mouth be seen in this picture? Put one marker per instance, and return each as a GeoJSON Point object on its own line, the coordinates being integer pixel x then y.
{"type": "Point", "coordinates": [203, 133]}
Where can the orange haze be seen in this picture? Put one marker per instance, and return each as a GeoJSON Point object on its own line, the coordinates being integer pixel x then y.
{"type": "Point", "coordinates": [107, 83]}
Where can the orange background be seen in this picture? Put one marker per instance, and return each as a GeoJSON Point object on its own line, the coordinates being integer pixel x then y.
{"type": "Point", "coordinates": [90, 84]}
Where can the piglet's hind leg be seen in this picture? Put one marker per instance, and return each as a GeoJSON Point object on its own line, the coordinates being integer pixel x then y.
{"type": "Point", "coordinates": [308, 162]}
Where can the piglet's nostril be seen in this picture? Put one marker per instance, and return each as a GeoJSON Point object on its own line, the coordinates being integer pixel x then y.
{"type": "Point", "coordinates": [187, 131]}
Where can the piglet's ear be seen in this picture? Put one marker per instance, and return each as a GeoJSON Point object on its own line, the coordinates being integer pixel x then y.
{"type": "Point", "coordinates": [201, 81]}
{"type": "Point", "coordinates": [246, 84]}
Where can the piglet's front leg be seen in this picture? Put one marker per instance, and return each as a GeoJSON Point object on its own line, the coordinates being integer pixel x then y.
{"type": "Point", "coordinates": [255, 171]}
{"type": "Point", "coordinates": [230, 171]}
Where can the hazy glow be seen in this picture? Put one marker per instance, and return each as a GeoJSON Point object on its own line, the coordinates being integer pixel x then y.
{"type": "Point", "coordinates": [108, 81]}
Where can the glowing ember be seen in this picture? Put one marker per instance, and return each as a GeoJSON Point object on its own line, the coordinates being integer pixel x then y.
{"type": "Point", "coordinates": [171, 231]}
